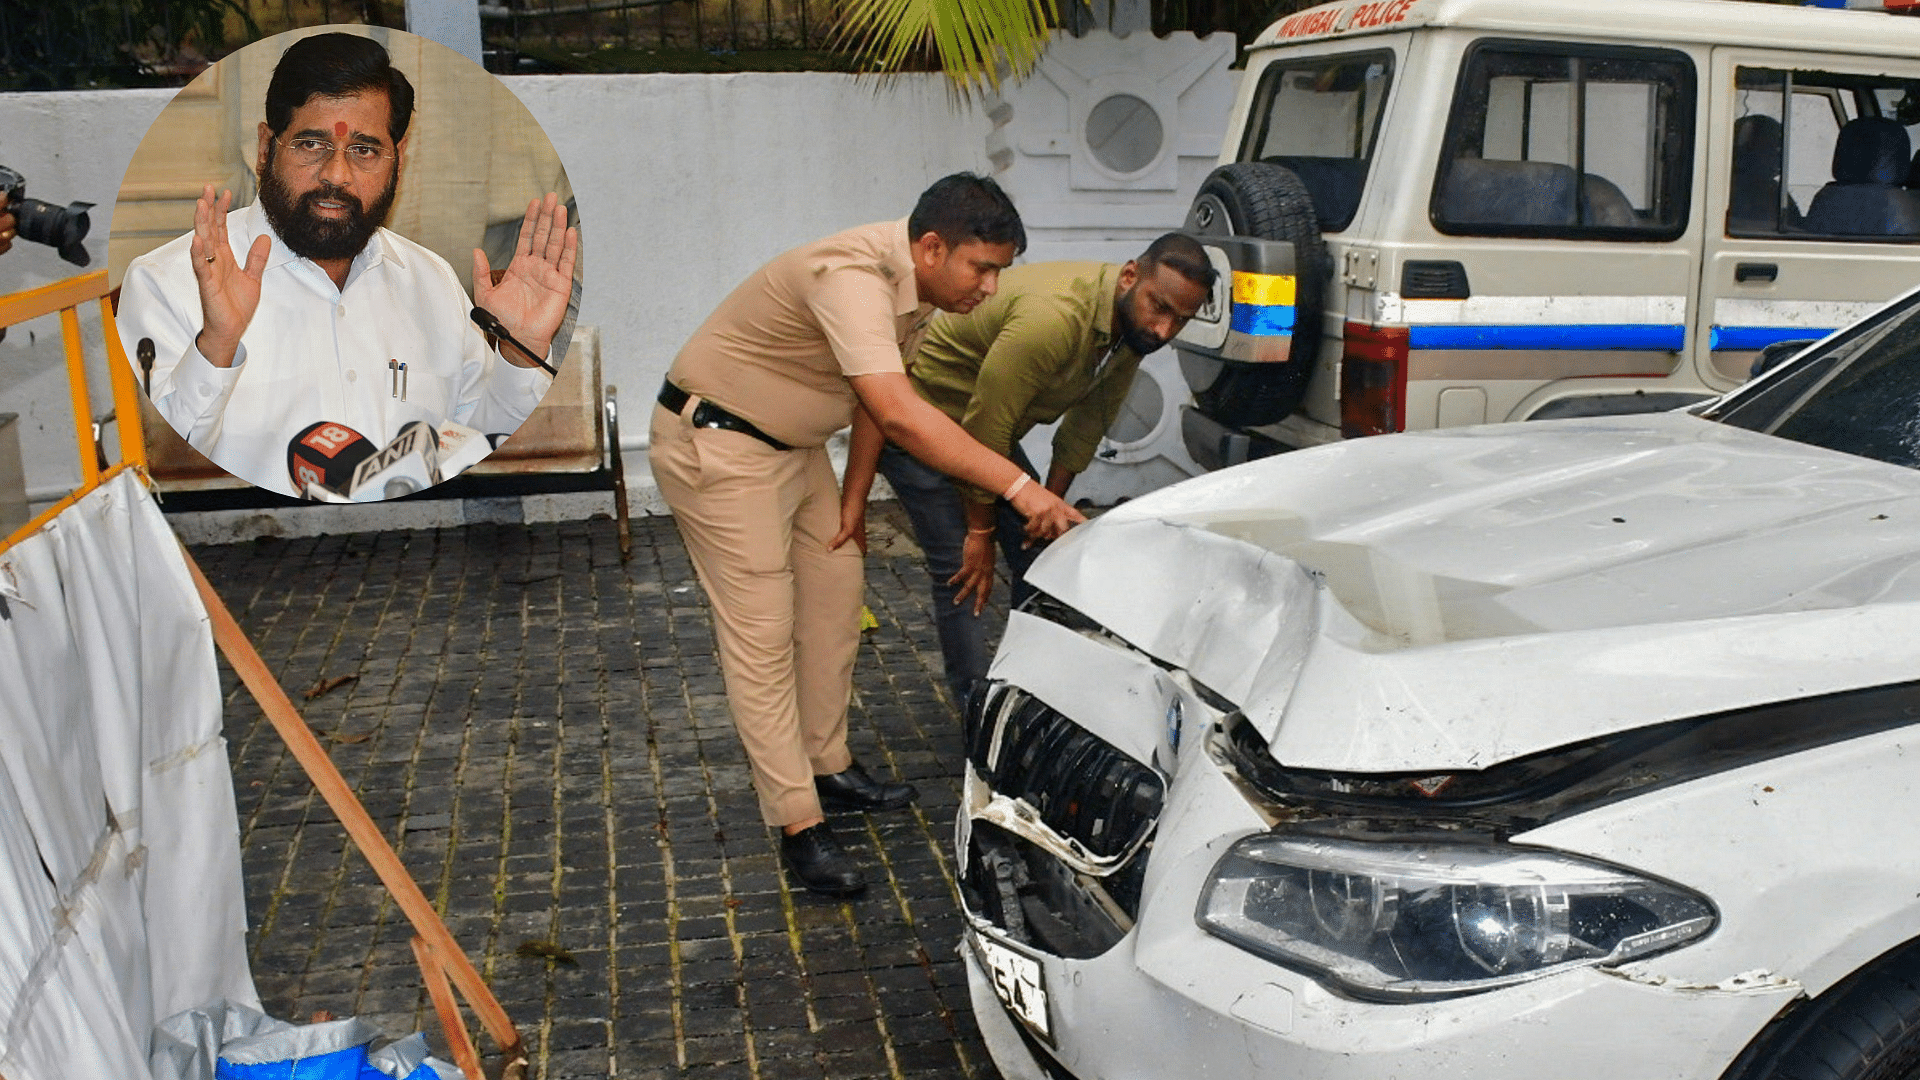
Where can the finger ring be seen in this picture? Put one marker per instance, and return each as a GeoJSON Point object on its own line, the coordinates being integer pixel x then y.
{"type": "Point", "coordinates": [209, 258]}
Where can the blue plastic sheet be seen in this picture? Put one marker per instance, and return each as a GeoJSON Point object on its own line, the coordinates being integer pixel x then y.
{"type": "Point", "coordinates": [224, 1041]}
{"type": "Point", "coordinates": [350, 1063]}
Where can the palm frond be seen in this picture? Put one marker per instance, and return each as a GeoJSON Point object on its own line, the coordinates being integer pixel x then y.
{"type": "Point", "coordinates": [978, 42]}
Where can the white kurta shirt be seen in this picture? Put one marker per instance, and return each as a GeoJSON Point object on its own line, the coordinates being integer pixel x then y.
{"type": "Point", "coordinates": [314, 352]}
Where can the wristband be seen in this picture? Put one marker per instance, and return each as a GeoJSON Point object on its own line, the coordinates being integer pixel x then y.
{"type": "Point", "coordinates": [1014, 488]}
{"type": "Point", "coordinates": [988, 531]}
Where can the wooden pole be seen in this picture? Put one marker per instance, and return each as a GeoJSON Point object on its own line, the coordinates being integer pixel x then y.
{"type": "Point", "coordinates": [366, 835]}
{"type": "Point", "coordinates": [459, 1043]}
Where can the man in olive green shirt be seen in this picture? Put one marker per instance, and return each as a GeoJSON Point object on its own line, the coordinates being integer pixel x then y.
{"type": "Point", "coordinates": [1059, 341]}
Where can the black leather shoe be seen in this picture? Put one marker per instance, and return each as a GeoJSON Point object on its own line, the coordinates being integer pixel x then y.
{"type": "Point", "coordinates": [814, 856]}
{"type": "Point", "coordinates": [853, 789]}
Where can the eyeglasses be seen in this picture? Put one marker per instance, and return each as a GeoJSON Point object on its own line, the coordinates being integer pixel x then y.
{"type": "Point", "coordinates": [312, 153]}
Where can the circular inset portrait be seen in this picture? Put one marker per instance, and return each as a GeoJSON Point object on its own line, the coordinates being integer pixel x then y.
{"type": "Point", "coordinates": [348, 263]}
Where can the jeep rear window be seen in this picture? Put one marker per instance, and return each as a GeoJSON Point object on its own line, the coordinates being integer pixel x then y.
{"type": "Point", "coordinates": [1568, 141]}
{"type": "Point", "coordinates": [1319, 117]}
{"type": "Point", "coordinates": [1845, 145]}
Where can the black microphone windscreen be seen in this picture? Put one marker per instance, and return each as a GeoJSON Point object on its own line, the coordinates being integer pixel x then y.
{"type": "Point", "coordinates": [326, 453]}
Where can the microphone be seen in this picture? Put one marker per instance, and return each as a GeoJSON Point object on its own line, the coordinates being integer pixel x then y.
{"type": "Point", "coordinates": [144, 353]}
{"type": "Point", "coordinates": [326, 454]}
{"type": "Point", "coordinates": [485, 320]}
{"type": "Point", "coordinates": [410, 463]}
{"type": "Point", "coordinates": [460, 447]}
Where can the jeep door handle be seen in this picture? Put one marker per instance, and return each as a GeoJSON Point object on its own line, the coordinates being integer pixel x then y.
{"type": "Point", "coordinates": [1744, 272]}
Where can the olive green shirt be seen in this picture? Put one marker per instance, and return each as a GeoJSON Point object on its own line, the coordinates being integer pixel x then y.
{"type": "Point", "coordinates": [1041, 347]}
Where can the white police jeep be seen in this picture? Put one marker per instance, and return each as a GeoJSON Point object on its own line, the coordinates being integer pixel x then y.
{"type": "Point", "coordinates": [1436, 213]}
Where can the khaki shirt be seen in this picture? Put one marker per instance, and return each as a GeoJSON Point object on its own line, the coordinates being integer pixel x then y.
{"type": "Point", "coordinates": [778, 350]}
{"type": "Point", "coordinates": [1039, 348]}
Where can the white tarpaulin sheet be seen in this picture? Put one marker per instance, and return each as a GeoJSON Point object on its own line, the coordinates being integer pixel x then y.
{"type": "Point", "coordinates": [119, 844]}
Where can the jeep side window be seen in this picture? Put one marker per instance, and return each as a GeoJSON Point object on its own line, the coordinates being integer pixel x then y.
{"type": "Point", "coordinates": [1567, 141]}
{"type": "Point", "coordinates": [1319, 117]}
{"type": "Point", "coordinates": [1843, 142]}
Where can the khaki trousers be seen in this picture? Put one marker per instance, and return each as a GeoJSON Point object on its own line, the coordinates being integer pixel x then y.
{"type": "Point", "coordinates": [786, 611]}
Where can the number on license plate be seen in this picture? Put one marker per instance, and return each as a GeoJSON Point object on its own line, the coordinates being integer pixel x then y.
{"type": "Point", "coordinates": [1019, 983]}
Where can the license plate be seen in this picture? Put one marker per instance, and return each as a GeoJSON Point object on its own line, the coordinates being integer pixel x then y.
{"type": "Point", "coordinates": [1018, 982]}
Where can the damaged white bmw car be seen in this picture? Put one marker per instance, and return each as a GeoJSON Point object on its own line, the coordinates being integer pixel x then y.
{"type": "Point", "coordinates": [1579, 748]}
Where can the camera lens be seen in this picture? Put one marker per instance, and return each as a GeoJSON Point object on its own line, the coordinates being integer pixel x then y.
{"type": "Point", "coordinates": [57, 227]}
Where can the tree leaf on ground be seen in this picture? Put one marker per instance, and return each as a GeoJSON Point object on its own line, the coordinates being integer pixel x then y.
{"type": "Point", "coordinates": [545, 950]}
{"type": "Point", "coordinates": [325, 685]}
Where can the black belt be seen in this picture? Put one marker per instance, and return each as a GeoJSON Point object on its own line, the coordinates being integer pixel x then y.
{"type": "Point", "coordinates": [708, 415]}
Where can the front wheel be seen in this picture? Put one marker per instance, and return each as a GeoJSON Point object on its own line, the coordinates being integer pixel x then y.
{"type": "Point", "coordinates": [1866, 1028]}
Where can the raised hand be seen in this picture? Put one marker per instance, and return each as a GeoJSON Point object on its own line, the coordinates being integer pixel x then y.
{"type": "Point", "coordinates": [531, 300]}
{"type": "Point", "coordinates": [229, 292]}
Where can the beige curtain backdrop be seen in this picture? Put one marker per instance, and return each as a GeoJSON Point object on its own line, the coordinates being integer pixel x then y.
{"type": "Point", "coordinates": [475, 155]}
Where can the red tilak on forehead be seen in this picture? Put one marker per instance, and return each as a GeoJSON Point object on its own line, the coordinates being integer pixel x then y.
{"type": "Point", "coordinates": [339, 129]}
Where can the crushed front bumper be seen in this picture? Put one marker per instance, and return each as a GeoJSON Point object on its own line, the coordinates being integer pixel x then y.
{"type": "Point", "coordinates": [1129, 985]}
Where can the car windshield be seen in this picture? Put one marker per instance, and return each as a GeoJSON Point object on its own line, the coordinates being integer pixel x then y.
{"type": "Point", "coordinates": [1858, 393]}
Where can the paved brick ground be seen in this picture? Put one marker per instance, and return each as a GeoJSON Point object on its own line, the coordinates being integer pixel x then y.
{"type": "Point", "coordinates": [542, 732]}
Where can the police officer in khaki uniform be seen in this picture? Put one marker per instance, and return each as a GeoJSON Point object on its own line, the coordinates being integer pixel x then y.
{"type": "Point", "coordinates": [1059, 341]}
{"type": "Point", "coordinates": [738, 449]}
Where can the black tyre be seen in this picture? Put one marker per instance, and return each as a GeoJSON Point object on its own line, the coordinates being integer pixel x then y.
{"type": "Point", "coordinates": [1866, 1028]}
{"type": "Point", "coordinates": [1268, 202]}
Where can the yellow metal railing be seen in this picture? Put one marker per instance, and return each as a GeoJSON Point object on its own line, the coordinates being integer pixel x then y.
{"type": "Point", "coordinates": [66, 297]}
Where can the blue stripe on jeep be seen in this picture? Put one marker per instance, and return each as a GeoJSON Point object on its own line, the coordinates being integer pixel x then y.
{"type": "Point", "coordinates": [1759, 337]}
{"type": "Point", "coordinates": [1577, 336]}
{"type": "Point", "coordinates": [1263, 320]}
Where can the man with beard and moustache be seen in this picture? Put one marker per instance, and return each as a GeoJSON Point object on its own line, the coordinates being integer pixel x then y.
{"type": "Point", "coordinates": [1060, 341]}
{"type": "Point", "coordinates": [301, 307]}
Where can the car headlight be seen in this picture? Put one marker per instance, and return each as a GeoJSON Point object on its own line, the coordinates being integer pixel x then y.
{"type": "Point", "coordinates": [1410, 920]}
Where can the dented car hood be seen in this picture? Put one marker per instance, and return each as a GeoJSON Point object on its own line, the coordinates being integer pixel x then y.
{"type": "Point", "coordinates": [1453, 599]}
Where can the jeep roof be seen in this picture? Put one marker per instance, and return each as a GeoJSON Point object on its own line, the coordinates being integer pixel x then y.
{"type": "Point", "coordinates": [1714, 22]}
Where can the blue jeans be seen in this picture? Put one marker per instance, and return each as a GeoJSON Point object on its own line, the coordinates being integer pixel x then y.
{"type": "Point", "coordinates": [935, 508]}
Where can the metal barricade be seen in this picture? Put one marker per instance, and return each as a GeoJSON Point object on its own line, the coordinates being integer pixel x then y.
{"type": "Point", "coordinates": [67, 297]}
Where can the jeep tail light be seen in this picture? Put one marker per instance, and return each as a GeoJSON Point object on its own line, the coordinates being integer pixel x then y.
{"type": "Point", "coordinates": [1373, 380]}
